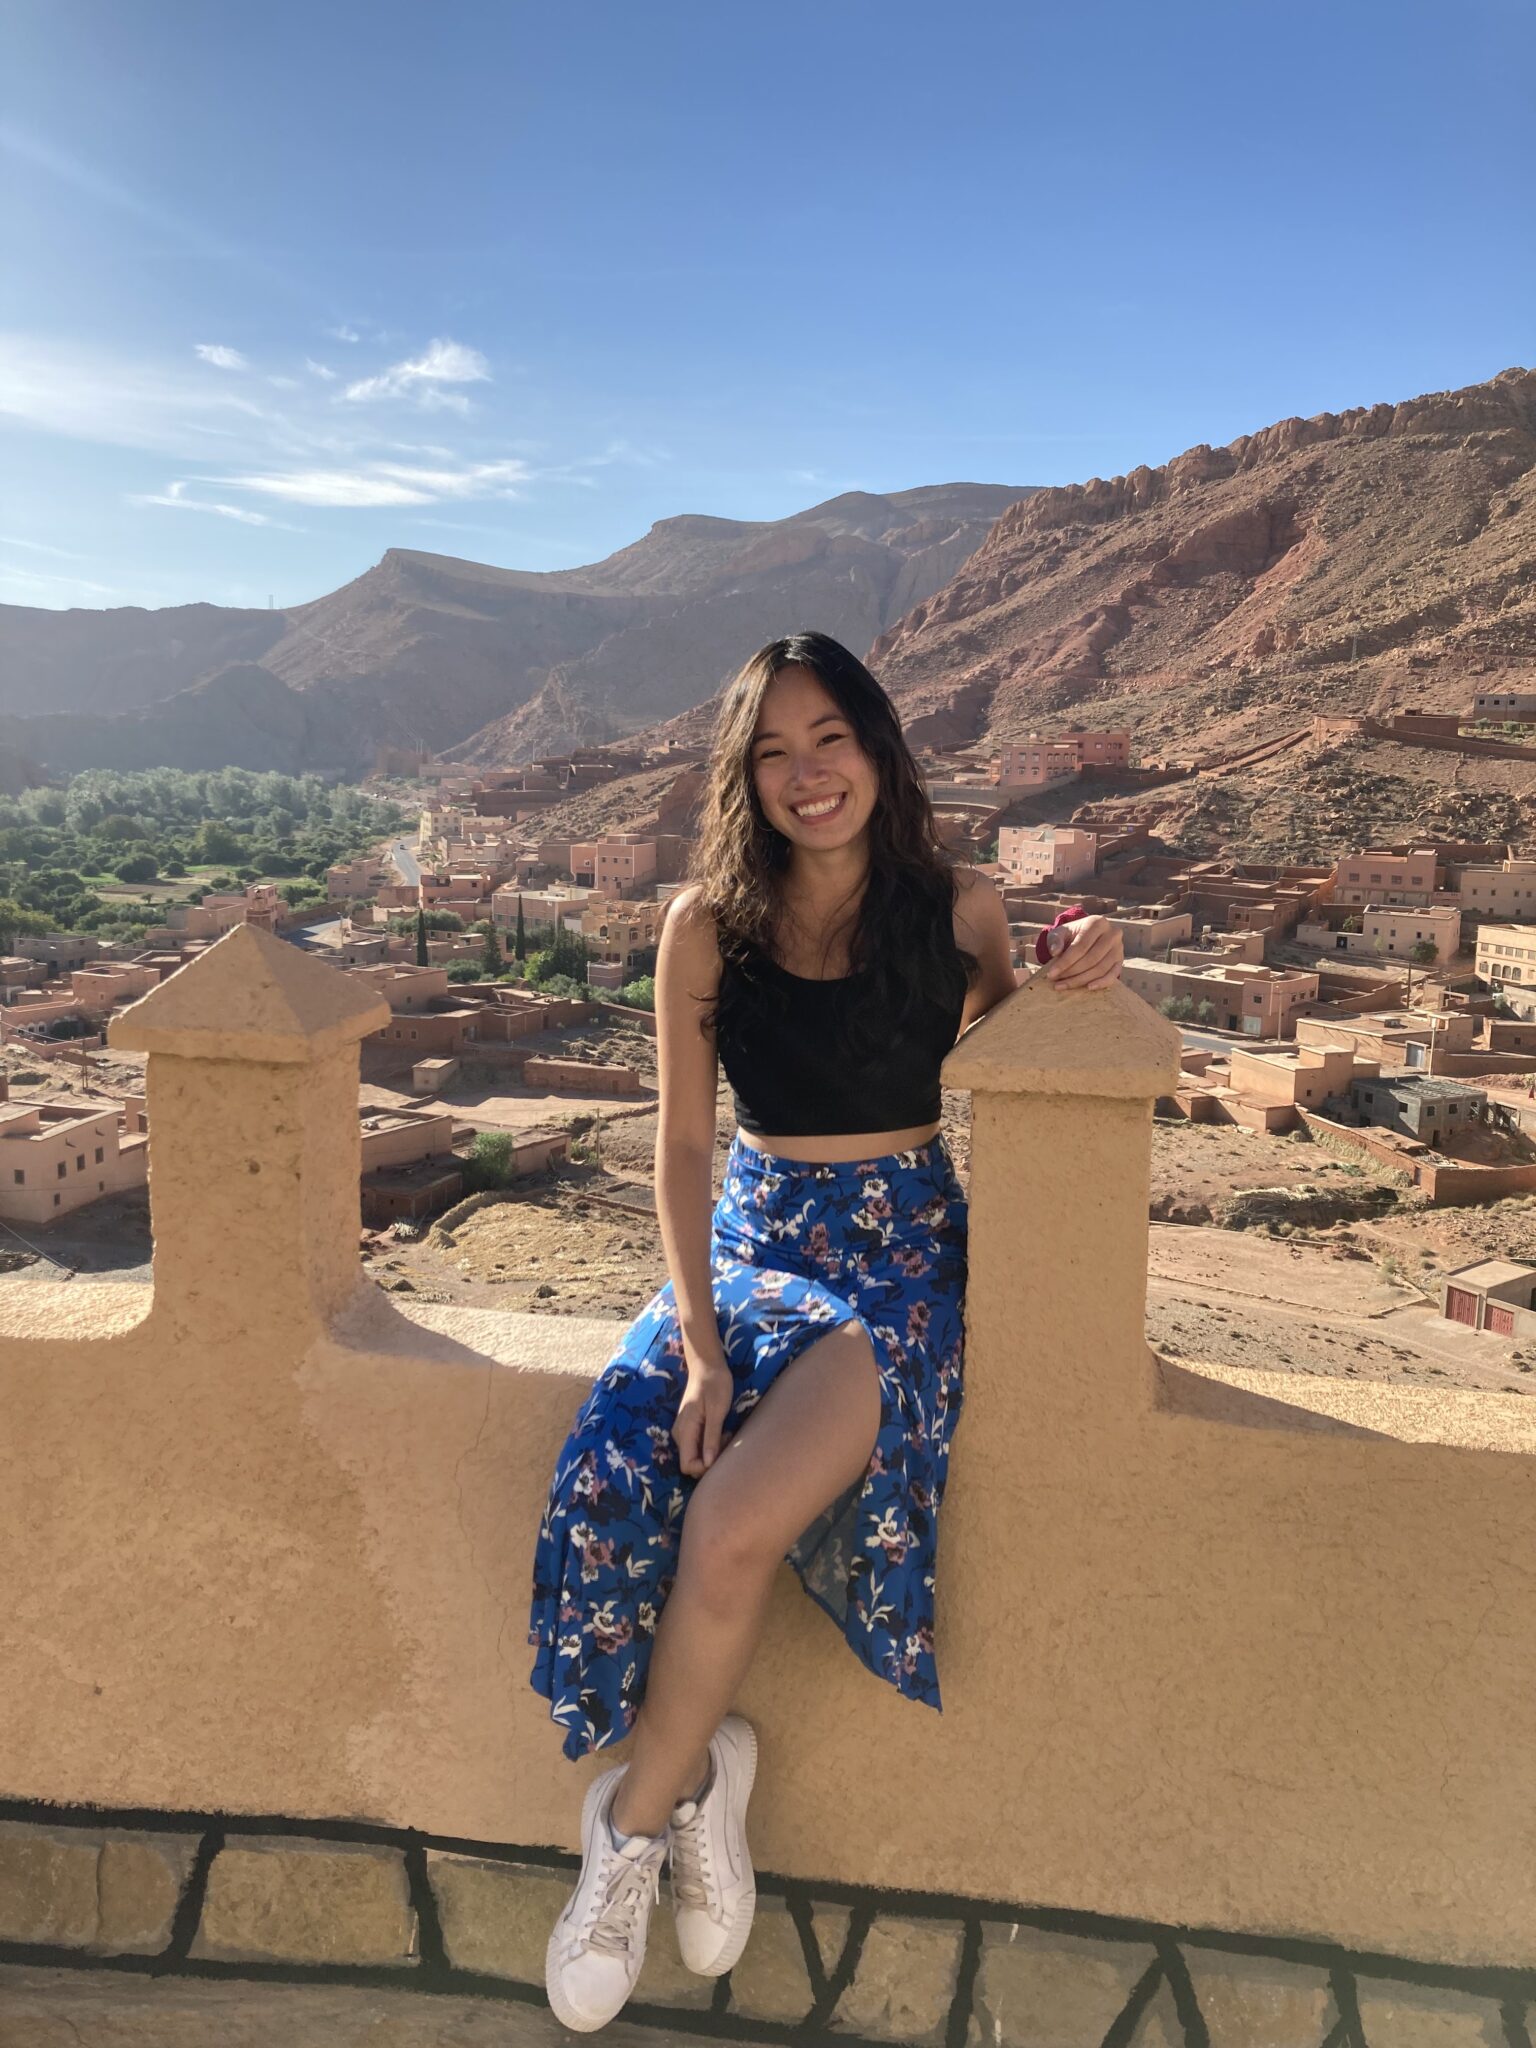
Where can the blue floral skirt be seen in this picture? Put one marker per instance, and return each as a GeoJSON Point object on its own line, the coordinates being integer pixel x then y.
{"type": "Point", "coordinates": [796, 1249]}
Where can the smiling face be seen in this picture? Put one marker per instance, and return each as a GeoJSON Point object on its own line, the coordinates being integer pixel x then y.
{"type": "Point", "coordinates": [814, 781]}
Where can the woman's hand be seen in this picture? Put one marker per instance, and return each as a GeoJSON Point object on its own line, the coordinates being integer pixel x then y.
{"type": "Point", "coordinates": [1092, 957]}
{"type": "Point", "coordinates": [701, 1413]}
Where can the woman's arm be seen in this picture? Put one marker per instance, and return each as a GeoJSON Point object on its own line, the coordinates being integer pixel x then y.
{"type": "Point", "coordinates": [981, 927]}
{"type": "Point", "coordinates": [687, 980]}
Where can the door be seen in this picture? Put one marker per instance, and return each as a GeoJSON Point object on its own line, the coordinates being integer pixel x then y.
{"type": "Point", "coordinates": [1461, 1307]}
{"type": "Point", "coordinates": [1500, 1320]}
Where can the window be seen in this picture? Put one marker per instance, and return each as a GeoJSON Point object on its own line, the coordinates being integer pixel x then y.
{"type": "Point", "coordinates": [56, 1201]}
{"type": "Point", "coordinates": [98, 1155]}
{"type": "Point", "coordinates": [79, 1162]}
{"type": "Point", "coordinates": [20, 1176]}
{"type": "Point", "coordinates": [63, 1168]}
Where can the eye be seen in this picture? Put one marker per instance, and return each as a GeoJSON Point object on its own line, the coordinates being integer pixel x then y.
{"type": "Point", "coordinates": [831, 736]}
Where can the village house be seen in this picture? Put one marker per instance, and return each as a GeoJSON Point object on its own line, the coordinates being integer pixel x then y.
{"type": "Point", "coordinates": [542, 908]}
{"type": "Point", "coordinates": [1396, 1039]}
{"type": "Point", "coordinates": [101, 987]}
{"type": "Point", "coordinates": [1497, 1295]}
{"type": "Point", "coordinates": [60, 952]}
{"type": "Point", "coordinates": [1387, 931]}
{"type": "Point", "coordinates": [618, 865]}
{"type": "Point", "coordinates": [353, 880]}
{"type": "Point", "coordinates": [616, 932]}
{"type": "Point", "coordinates": [1388, 875]}
{"type": "Point", "coordinates": [34, 1012]}
{"type": "Point", "coordinates": [1518, 705]}
{"type": "Point", "coordinates": [1259, 1001]}
{"type": "Point", "coordinates": [17, 973]}
{"type": "Point", "coordinates": [1505, 891]}
{"type": "Point", "coordinates": [1506, 960]}
{"type": "Point", "coordinates": [1053, 855]}
{"type": "Point", "coordinates": [1421, 1106]}
{"type": "Point", "coordinates": [1034, 763]}
{"type": "Point", "coordinates": [408, 1165]}
{"type": "Point", "coordinates": [58, 1156]}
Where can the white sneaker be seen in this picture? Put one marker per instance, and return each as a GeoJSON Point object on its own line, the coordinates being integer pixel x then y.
{"type": "Point", "coordinates": [714, 1893]}
{"type": "Point", "coordinates": [597, 1946]}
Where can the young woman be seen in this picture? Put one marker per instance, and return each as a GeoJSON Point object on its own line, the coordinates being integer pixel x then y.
{"type": "Point", "coordinates": [793, 1389]}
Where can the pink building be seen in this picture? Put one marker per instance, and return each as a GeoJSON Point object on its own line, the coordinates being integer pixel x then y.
{"type": "Point", "coordinates": [622, 861]}
{"type": "Point", "coordinates": [1032, 764]}
{"type": "Point", "coordinates": [1035, 762]}
{"type": "Point", "coordinates": [1380, 875]}
{"type": "Point", "coordinates": [1042, 855]}
{"type": "Point", "coordinates": [56, 1156]}
{"type": "Point", "coordinates": [100, 987]}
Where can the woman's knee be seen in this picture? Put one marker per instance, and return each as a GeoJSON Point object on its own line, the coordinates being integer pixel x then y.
{"type": "Point", "coordinates": [723, 1554]}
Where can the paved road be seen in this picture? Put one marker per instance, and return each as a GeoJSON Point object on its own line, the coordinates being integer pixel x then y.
{"type": "Point", "coordinates": [403, 858]}
{"type": "Point", "coordinates": [1223, 1041]}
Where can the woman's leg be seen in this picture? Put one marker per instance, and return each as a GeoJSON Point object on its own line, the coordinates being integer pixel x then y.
{"type": "Point", "coordinates": [807, 1441]}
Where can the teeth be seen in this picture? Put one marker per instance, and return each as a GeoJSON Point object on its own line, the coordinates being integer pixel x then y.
{"type": "Point", "coordinates": [817, 810]}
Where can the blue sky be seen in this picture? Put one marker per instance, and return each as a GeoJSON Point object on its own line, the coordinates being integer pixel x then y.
{"type": "Point", "coordinates": [288, 285]}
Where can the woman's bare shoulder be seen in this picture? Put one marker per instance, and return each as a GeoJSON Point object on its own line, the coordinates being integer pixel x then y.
{"type": "Point", "coordinates": [689, 929]}
{"type": "Point", "coordinates": [978, 904]}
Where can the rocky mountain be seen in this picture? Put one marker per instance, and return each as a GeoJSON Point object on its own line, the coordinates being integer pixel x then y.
{"type": "Point", "coordinates": [458, 657]}
{"type": "Point", "coordinates": [1363, 561]}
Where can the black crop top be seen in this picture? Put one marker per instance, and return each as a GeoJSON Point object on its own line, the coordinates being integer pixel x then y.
{"type": "Point", "coordinates": [784, 1046]}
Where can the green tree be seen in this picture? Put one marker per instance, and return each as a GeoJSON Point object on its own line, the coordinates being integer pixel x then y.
{"type": "Point", "coordinates": [520, 944]}
{"type": "Point", "coordinates": [421, 938]}
{"type": "Point", "coordinates": [490, 952]}
{"type": "Point", "coordinates": [640, 994]}
{"type": "Point", "coordinates": [489, 1161]}
{"type": "Point", "coordinates": [16, 922]}
{"type": "Point", "coordinates": [138, 867]}
{"type": "Point", "coordinates": [214, 841]}
{"type": "Point", "coordinates": [464, 970]}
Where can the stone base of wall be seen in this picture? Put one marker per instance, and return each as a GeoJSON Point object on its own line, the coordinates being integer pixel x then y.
{"type": "Point", "coordinates": [289, 1901]}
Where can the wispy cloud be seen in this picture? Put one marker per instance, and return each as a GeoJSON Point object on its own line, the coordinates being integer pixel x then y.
{"type": "Point", "coordinates": [232, 453]}
{"type": "Point", "coordinates": [174, 499]}
{"type": "Point", "coordinates": [221, 358]}
{"type": "Point", "coordinates": [423, 377]}
{"type": "Point", "coordinates": [385, 483]}
{"type": "Point", "coordinates": [105, 190]}
{"type": "Point", "coordinates": [343, 333]}
{"type": "Point", "coordinates": [322, 370]}
{"type": "Point", "coordinates": [39, 547]}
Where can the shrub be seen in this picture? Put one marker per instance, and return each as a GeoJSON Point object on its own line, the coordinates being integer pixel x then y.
{"type": "Point", "coordinates": [464, 970]}
{"type": "Point", "coordinates": [488, 1163]}
{"type": "Point", "coordinates": [138, 867]}
{"type": "Point", "coordinates": [639, 994]}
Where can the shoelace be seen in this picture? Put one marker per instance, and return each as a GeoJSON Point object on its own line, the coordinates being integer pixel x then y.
{"type": "Point", "coordinates": [616, 1923]}
{"type": "Point", "coordinates": [690, 1860]}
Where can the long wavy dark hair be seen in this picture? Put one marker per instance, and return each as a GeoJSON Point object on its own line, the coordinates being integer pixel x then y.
{"type": "Point", "coordinates": [901, 946]}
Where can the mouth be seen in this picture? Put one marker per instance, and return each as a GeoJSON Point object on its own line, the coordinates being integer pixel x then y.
{"type": "Point", "coordinates": [816, 809]}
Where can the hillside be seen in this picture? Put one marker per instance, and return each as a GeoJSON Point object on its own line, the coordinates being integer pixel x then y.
{"type": "Point", "coordinates": [1356, 562]}
{"type": "Point", "coordinates": [453, 656]}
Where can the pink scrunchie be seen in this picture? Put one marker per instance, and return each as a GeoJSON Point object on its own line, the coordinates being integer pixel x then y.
{"type": "Point", "coordinates": [1042, 950]}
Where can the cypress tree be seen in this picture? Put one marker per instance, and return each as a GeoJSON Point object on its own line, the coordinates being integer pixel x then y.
{"type": "Point", "coordinates": [520, 944]}
{"type": "Point", "coordinates": [421, 938]}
